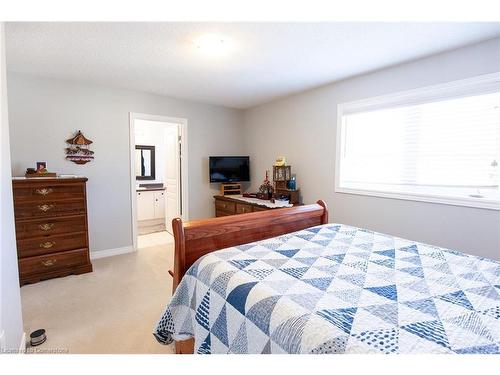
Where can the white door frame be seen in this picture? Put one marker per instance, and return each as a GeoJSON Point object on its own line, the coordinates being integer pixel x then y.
{"type": "Point", "coordinates": [183, 133]}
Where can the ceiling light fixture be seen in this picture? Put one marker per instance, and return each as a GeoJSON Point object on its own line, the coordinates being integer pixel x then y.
{"type": "Point", "coordinates": [213, 45]}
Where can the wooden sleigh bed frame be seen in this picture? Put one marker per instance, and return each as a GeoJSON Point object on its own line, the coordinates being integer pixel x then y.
{"type": "Point", "coordinates": [194, 239]}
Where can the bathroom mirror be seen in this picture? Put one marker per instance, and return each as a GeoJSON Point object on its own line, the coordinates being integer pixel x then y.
{"type": "Point", "coordinates": [145, 162]}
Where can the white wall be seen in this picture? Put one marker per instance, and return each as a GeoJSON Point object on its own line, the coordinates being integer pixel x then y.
{"type": "Point", "coordinates": [44, 112]}
{"type": "Point", "coordinates": [152, 133]}
{"type": "Point", "coordinates": [302, 127]}
{"type": "Point", "coordinates": [11, 324]}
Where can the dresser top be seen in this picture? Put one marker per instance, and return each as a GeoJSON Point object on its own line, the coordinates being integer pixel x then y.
{"type": "Point", "coordinates": [21, 180]}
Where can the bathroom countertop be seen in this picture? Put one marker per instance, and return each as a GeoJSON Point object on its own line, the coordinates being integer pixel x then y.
{"type": "Point", "coordinates": [149, 189]}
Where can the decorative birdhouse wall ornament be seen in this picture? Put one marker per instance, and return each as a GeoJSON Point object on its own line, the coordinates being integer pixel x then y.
{"type": "Point", "coordinates": [78, 150]}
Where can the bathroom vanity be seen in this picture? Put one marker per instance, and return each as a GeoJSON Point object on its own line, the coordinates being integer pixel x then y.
{"type": "Point", "coordinates": [150, 203]}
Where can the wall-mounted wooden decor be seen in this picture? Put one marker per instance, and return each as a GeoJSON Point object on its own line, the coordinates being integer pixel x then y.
{"type": "Point", "coordinates": [78, 151]}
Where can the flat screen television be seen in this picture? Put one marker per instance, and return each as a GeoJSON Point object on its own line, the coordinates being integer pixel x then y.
{"type": "Point", "coordinates": [229, 168]}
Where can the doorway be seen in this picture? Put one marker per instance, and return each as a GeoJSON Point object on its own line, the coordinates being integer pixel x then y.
{"type": "Point", "coordinates": [158, 164]}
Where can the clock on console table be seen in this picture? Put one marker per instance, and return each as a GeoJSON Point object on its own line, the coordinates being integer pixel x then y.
{"type": "Point", "coordinates": [282, 175]}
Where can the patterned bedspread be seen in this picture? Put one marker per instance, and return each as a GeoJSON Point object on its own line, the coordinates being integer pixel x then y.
{"type": "Point", "coordinates": [337, 289]}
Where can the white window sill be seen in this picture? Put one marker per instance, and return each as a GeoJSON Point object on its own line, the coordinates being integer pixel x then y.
{"type": "Point", "coordinates": [466, 201]}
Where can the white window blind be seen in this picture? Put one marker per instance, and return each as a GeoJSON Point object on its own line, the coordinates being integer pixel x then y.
{"type": "Point", "coordinates": [442, 146]}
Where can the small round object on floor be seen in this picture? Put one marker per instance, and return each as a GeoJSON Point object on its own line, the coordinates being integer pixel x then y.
{"type": "Point", "coordinates": [37, 337]}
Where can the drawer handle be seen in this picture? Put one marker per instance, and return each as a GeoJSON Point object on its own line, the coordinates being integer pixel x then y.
{"type": "Point", "coordinates": [49, 263]}
{"type": "Point", "coordinates": [45, 207]}
{"type": "Point", "coordinates": [47, 245]}
{"type": "Point", "coordinates": [44, 191]}
{"type": "Point", "coordinates": [46, 227]}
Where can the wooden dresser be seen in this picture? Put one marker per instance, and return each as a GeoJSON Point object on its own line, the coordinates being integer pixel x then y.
{"type": "Point", "coordinates": [225, 206]}
{"type": "Point", "coordinates": [51, 227]}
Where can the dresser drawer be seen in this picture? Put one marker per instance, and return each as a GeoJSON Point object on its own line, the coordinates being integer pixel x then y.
{"type": "Point", "coordinates": [242, 208]}
{"type": "Point", "coordinates": [46, 192]}
{"type": "Point", "coordinates": [219, 213]}
{"type": "Point", "coordinates": [49, 227]}
{"type": "Point", "coordinates": [225, 206]}
{"type": "Point", "coordinates": [53, 244]}
{"type": "Point", "coordinates": [52, 262]}
{"type": "Point", "coordinates": [25, 210]}
{"type": "Point", "coordinates": [261, 208]}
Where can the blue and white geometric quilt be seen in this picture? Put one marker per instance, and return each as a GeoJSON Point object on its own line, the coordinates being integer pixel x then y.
{"type": "Point", "coordinates": [337, 289]}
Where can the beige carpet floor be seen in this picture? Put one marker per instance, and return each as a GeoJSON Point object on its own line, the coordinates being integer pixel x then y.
{"type": "Point", "coordinates": [111, 310]}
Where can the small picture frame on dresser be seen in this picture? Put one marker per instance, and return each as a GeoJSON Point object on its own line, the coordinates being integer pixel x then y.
{"type": "Point", "coordinates": [41, 166]}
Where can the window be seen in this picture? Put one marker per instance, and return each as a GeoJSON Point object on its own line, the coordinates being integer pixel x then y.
{"type": "Point", "coordinates": [438, 144]}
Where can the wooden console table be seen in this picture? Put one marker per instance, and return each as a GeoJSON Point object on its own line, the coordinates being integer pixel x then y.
{"type": "Point", "coordinates": [225, 206]}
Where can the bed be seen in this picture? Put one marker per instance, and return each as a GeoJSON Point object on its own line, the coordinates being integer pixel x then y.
{"type": "Point", "coordinates": [286, 281]}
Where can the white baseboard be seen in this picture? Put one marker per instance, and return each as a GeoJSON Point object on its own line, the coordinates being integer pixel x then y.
{"type": "Point", "coordinates": [111, 252]}
{"type": "Point", "coordinates": [22, 344]}
{"type": "Point", "coordinates": [146, 223]}
{"type": "Point", "coordinates": [2, 341]}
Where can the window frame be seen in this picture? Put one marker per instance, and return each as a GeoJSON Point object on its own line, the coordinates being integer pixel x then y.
{"type": "Point", "coordinates": [480, 84]}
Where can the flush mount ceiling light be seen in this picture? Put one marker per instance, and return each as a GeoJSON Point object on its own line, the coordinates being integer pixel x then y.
{"type": "Point", "coordinates": [213, 45]}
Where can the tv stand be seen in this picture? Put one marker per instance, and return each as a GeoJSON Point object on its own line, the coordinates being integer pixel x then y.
{"type": "Point", "coordinates": [230, 188]}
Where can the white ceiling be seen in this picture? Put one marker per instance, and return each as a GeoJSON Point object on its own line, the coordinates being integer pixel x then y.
{"type": "Point", "coordinates": [267, 60]}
